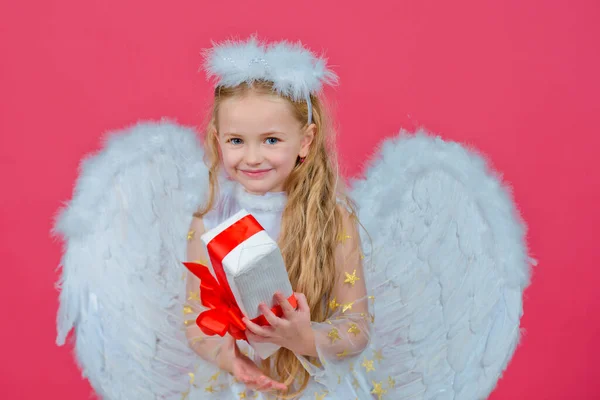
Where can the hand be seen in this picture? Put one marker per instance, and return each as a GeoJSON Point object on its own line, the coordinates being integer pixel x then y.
{"type": "Point", "coordinates": [293, 331]}
{"type": "Point", "coordinates": [243, 369]}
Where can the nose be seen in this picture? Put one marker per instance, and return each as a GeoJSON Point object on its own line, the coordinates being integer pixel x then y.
{"type": "Point", "coordinates": [253, 155]}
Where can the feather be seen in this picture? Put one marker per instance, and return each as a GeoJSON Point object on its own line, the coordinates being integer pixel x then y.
{"type": "Point", "coordinates": [448, 263]}
{"type": "Point", "coordinates": [121, 286]}
{"type": "Point", "coordinates": [294, 70]}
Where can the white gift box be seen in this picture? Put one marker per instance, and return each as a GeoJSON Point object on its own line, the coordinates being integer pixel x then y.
{"type": "Point", "coordinates": [255, 270]}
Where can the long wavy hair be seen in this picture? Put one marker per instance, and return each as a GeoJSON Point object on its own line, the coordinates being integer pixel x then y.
{"type": "Point", "coordinates": [311, 221]}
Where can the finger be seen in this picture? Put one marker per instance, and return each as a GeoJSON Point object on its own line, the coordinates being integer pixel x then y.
{"type": "Point", "coordinates": [247, 380]}
{"type": "Point", "coordinates": [278, 385]}
{"type": "Point", "coordinates": [285, 305]}
{"type": "Point", "coordinates": [272, 385]}
{"type": "Point", "coordinates": [257, 383]}
{"type": "Point", "coordinates": [265, 332]}
{"type": "Point", "coordinates": [255, 338]}
{"type": "Point", "coordinates": [273, 319]}
{"type": "Point", "coordinates": [302, 302]}
{"type": "Point", "coordinates": [265, 384]}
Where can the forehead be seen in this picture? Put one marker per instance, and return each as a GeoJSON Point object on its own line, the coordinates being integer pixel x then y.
{"type": "Point", "coordinates": [256, 113]}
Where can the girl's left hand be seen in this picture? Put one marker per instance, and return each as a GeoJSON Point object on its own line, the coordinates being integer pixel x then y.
{"type": "Point", "coordinates": [293, 331]}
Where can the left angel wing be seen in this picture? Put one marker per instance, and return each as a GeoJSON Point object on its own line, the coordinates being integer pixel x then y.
{"type": "Point", "coordinates": [445, 257]}
{"type": "Point", "coordinates": [122, 286]}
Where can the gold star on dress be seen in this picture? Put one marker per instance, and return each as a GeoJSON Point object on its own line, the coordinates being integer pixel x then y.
{"type": "Point", "coordinates": [391, 382]}
{"type": "Point", "coordinates": [209, 389]}
{"type": "Point", "coordinates": [242, 395]}
{"type": "Point", "coordinates": [333, 304]}
{"type": "Point", "coordinates": [351, 279]}
{"type": "Point", "coordinates": [334, 335]}
{"type": "Point", "coordinates": [214, 377]}
{"type": "Point", "coordinates": [378, 355]}
{"type": "Point", "coordinates": [191, 234]}
{"type": "Point", "coordinates": [343, 354]}
{"type": "Point", "coordinates": [194, 296]}
{"type": "Point", "coordinates": [368, 364]}
{"type": "Point", "coordinates": [320, 396]}
{"type": "Point", "coordinates": [197, 339]}
{"type": "Point", "coordinates": [343, 236]}
{"type": "Point", "coordinates": [187, 310]}
{"type": "Point", "coordinates": [378, 389]}
{"type": "Point", "coordinates": [347, 306]}
{"type": "Point", "coordinates": [354, 329]}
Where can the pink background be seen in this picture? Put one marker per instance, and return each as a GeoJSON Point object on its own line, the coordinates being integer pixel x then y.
{"type": "Point", "coordinates": [518, 79]}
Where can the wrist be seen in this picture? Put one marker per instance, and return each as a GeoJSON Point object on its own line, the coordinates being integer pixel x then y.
{"type": "Point", "coordinates": [309, 344]}
{"type": "Point", "coordinates": [224, 361]}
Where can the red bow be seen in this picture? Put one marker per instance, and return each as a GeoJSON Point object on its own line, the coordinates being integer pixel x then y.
{"type": "Point", "coordinates": [224, 315]}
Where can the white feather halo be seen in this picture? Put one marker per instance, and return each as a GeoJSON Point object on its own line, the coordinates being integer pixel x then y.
{"type": "Point", "coordinates": [294, 70]}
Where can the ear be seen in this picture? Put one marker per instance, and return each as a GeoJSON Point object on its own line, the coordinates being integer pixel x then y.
{"type": "Point", "coordinates": [307, 138]}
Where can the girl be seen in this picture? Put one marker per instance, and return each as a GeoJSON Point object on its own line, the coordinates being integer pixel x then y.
{"type": "Point", "coordinates": [447, 314]}
{"type": "Point", "coordinates": [277, 152]}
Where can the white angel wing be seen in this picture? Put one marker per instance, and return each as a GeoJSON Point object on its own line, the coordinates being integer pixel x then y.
{"type": "Point", "coordinates": [447, 263]}
{"type": "Point", "coordinates": [122, 284]}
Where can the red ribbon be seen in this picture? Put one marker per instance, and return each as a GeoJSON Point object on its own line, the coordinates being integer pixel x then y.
{"type": "Point", "coordinates": [224, 314]}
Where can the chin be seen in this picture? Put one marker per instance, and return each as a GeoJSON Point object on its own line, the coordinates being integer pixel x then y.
{"type": "Point", "coordinates": [258, 187]}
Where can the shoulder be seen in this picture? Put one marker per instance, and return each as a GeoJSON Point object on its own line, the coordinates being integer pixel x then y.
{"type": "Point", "coordinates": [348, 234]}
{"type": "Point", "coordinates": [347, 212]}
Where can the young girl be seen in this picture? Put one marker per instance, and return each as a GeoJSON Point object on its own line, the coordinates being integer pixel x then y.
{"type": "Point", "coordinates": [445, 254]}
{"type": "Point", "coordinates": [277, 152]}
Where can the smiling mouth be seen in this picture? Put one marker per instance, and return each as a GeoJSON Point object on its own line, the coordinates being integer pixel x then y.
{"type": "Point", "coordinates": [254, 172]}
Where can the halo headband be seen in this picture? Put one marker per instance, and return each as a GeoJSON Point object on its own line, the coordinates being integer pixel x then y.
{"type": "Point", "coordinates": [294, 71]}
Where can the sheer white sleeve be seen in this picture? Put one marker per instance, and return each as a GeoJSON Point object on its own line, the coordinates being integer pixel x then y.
{"type": "Point", "coordinates": [341, 339]}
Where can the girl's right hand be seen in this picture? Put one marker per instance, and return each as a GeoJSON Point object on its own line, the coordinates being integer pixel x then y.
{"type": "Point", "coordinates": [243, 369]}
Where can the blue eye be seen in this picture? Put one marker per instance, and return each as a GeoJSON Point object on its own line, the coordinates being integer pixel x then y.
{"type": "Point", "coordinates": [272, 140]}
{"type": "Point", "coordinates": [235, 141]}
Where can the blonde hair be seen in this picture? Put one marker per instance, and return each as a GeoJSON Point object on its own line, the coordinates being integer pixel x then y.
{"type": "Point", "coordinates": [311, 221]}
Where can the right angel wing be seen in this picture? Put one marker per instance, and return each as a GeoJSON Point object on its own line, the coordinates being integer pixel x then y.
{"type": "Point", "coordinates": [122, 283]}
{"type": "Point", "coordinates": [447, 263]}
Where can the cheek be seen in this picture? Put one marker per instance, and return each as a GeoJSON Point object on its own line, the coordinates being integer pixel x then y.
{"type": "Point", "coordinates": [229, 158]}
{"type": "Point", "coordinates": [285, 156]}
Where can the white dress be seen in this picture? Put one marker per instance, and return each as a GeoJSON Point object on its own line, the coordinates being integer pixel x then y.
{"type": "Point", "coordinates": [337, 374]}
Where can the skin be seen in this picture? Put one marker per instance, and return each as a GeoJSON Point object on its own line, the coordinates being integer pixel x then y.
{"type": "Point", "coordinates": [260, 133]}
{"type": "Point", "coordinates": [260, 140]}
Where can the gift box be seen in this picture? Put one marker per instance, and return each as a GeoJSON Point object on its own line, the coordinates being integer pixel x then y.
{"type": "Point", "coordinates": [249, 269]}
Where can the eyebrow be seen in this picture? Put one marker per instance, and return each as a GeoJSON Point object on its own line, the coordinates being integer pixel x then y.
{"type": "Point", "coordinates": [271, 133]}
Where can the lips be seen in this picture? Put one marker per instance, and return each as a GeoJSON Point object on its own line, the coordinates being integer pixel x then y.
{"type": "Point", "coordinates": [254, 173]}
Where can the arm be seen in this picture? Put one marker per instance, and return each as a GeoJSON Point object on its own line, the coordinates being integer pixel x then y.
{"type": "Point", "coordinates": [341, 339]}
{"type": "Point", "coordinates": [207, 347]}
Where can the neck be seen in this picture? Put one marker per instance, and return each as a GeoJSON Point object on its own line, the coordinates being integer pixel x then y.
{"type": "Point", "coordinates": [268, 201]}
